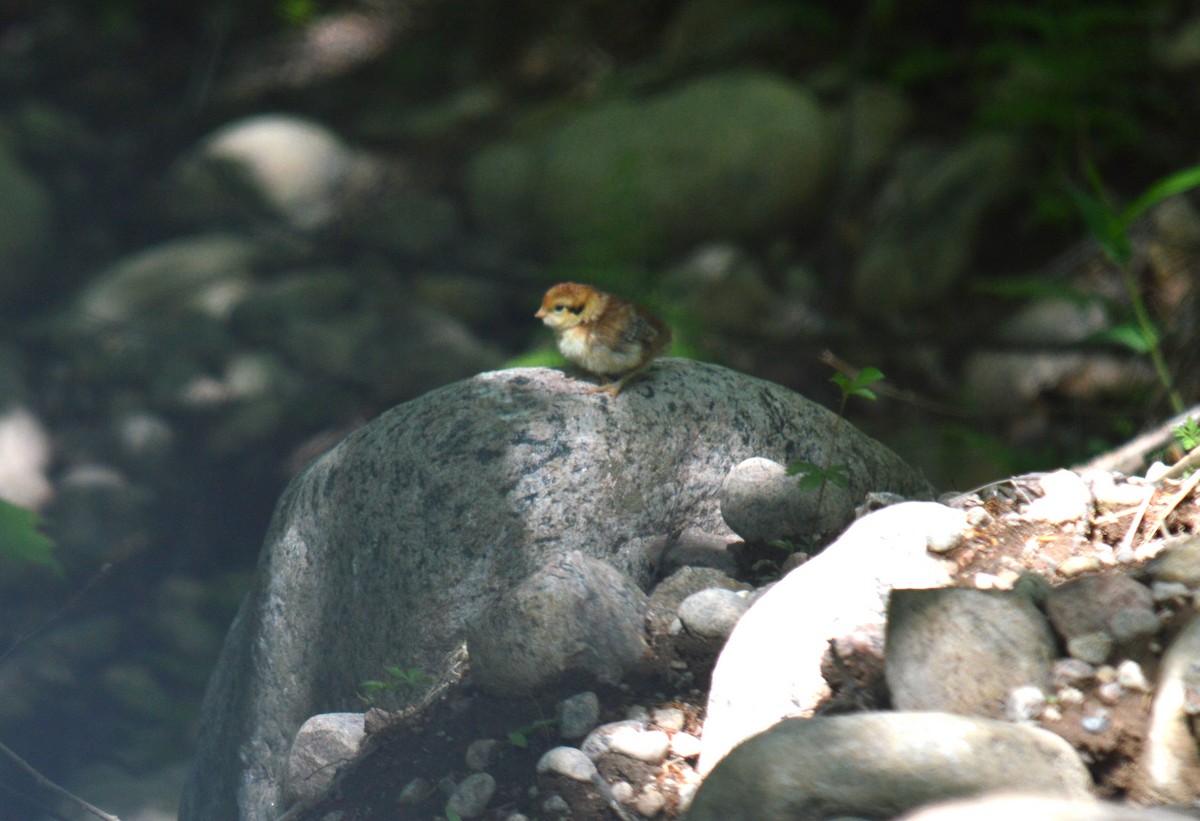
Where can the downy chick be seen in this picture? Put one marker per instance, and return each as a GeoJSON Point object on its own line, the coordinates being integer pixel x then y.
{"type": "Point", "coordinates": [603, 334]}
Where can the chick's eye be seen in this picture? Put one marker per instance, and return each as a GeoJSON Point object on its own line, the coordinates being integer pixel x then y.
{"type": "Point", "coordinates": [558, 309]}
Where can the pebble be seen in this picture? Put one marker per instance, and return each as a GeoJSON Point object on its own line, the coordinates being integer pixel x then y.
{"type": "Point", "coordinates": [1110, 692]}
{"type": "Point", "coordinates": [1067, 498]}
{"type": "Point", "coordinates": [1078, 565]}
{"type": "Point", "coordinates": [669, 718]}
{"type": "Point", "coordinates": [978, 517]}
{"type": "Point", "coordinates": [1024, 703]}
{"type": "Point", "coordinates": [650, 746]}
{"type": "Point", "coordinates": [599, 740]}
{"type": "Point", "coordinates": [622, 791]}
{"type": "Point", "coordinates": [943, 541]}
{"type": "Point", "coordinates": [1091, 647]}
{"type": "Point", "coordinates": [415, 791]}
{"type": "Point", "coordinates": [650, 801]}
{"type": "Point", "coordinates": [1131, 676]}
{"type": "Point", "coordinates": [471, 797]}
{"type": "Point", "coordinates": [578, 714]}
{"type": "Point", "coordinates": [637, 713]}
{"type": "Point", "coordinates": [712, 613]}
{"type": "Point", "coordinates": [1169, 591]}
{"type": "Point", "coordinates": [1072, 671]}
{"type": "Point", "coordinates": [1096, 723]}
{"type": "Point", "coordinates": [1070, 695]}
{"type": "Point", "coordinates": [556, 805]}
{"type": "Point", "coordinates": [685, 745]}
{"type": "Point", "coordinates": [480, 753]}
{"type": "Point", "coordinates": [1130, 623]}
{"type": "Point", "coordinates": [569, 762]}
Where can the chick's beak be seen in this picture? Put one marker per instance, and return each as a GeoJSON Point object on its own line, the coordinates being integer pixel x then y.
{"type": "Point", "coordinates": [540, 314]}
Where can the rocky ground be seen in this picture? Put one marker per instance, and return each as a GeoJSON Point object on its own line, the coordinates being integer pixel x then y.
{"type": "Point", "coordinates": [1036, 533]}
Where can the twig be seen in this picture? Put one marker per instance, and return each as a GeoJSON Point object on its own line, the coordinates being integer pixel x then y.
{"type": "Point", "coordinates": [1188, 462]}
{"type": "Point", "coordinates": [1184, 489]}
{"type": "Point", "coordinates": [1131, 458]}
{"type": "Point", "coordinates": [46, 783]}
{"type": "Point", "coordinates": [58, 614]}
{"type": "Point", "coordinates": [1127, 543]}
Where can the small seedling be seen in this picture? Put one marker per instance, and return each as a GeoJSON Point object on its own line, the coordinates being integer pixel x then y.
{"type": "Point", "coordinates": [398, 679]}
{"type": "Point", "coordinates": [520, 736]}
{"type": "Point", "coordinates": [1187, 434]}
{"type": "Point", "coordinates": [1111, 228]}
{"type": "Point", "coordinates": [814, 476]}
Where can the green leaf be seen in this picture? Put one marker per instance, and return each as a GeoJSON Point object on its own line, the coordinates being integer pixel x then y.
{"type": "Point", "coordinates": [1188, 434]}
{"type": "Point", "coordinates": [20, 538]}
{"type": "Point", "coordinates": [837, 475]}
{"type": "Point", "coordinates": [1183, 180]}
{"type": "Point", "coordinates": [518, 739]}
{"type": "Point", "coordinates": [1103, 225]}
{"type": "Point", "coordinates": [1130, 336]}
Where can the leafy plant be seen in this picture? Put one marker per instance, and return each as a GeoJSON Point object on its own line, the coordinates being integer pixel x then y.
{"type": "Point", "coordinates": [814, 476]}
{"type": "Point", "coordinates": [20, 538]}
{"type": "Point", "coordinates": [1110, 227]}
{"type": "Point", "coordinates": [1187, 434]}
{"type": "Point", "coordinates": [520, 736]}
{"type": "Point", "coordinates": [398, 679]}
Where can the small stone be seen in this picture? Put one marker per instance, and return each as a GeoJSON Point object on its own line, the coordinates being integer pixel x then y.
{"type": "Point", "coordinates": [685, 745]}
{"type": "Point", "coordinates": [636, 712]}
{"type": "Point", "coordinates": [1024, 703]}
{"type": "Point", "coordinates": [1051, 713]}
{"type": "Point", "coordinates": [1070, 695]}
{"type": "Point", "coordinates": [480, 754]}
{"type": "Point", "coordinates": [599, 741]}
{"type": "Point", "coordinates": [712, 613]}
{"type": "Point", "coordinates": [650, 746]}
{"type": "Point", "coordinates": [556, 805]}
{"type": "Point", "coordinates": [1106, 673]}
{"type": "Point", "coordinates": [578, 714]}
{"type": "Point", "coordinates": [943, 540]}
{"type": "Point", "coordinates": [1169, 591]}
{"type": "Point", "coordinates": [1078, 565]}
{"type": "Point", "coordinates": [1093, 648]}
{"type": "Point", "coordinates": [979, 517]}
{"type": "Point", "coordinates": [471, 797]}
{"type": "Point", "coordinates": [1096, 722]}
{"type": "Point", "coordinates": [668, 718]}
{"type": "Point", "coordinates": [1155, 472]}
{"type": "Point", "coordinates": [1033, 587]}
{"type": "Point", "coordinates": [1131, 676]}
{"type": "Point", "coordinates": [1110, 692]}
{"type": "Point", "coordinates": [1067, 498]}
{"type": "Point", "coordinates": [569, 762]}
{"type": "Point", "coordinates": [1132, 623]}
{"type": "Point", "coordinates": [622, 791]}
{"type": "Point", "coordinates": [415, 791]}
{"type": "Point", "coordinates": [1072, 671]}
{"type": "Point", "coordinates": [650, 801]}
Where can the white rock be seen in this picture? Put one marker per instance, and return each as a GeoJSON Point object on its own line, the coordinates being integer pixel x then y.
{"type": "Point", "coordinates": [650, 746]}
{"type": "Point", "coordinates": [567, 761]}
{"type": "Point", "coordinates": [771, 665]}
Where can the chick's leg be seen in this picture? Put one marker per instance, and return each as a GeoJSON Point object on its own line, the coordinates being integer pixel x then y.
{"type": "Point", "coordinates": [613, 388]}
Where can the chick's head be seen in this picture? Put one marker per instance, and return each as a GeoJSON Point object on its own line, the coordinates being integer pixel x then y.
{"type": "Point", "coordinates": [569, 304]}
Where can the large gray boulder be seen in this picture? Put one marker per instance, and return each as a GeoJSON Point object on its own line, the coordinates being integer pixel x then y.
{"type": "Point", "coordinates": [385, 549]}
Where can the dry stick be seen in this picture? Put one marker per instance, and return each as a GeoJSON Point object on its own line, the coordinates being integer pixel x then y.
{"type": "Point", "coordinates": [1131, 458]}
{"type": "Point", "coordinates": [46, 783]}
{"type": "Point", "coordinates": [1127, 543]}
{"type": "Point", "coordinates": [1184, 489]}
